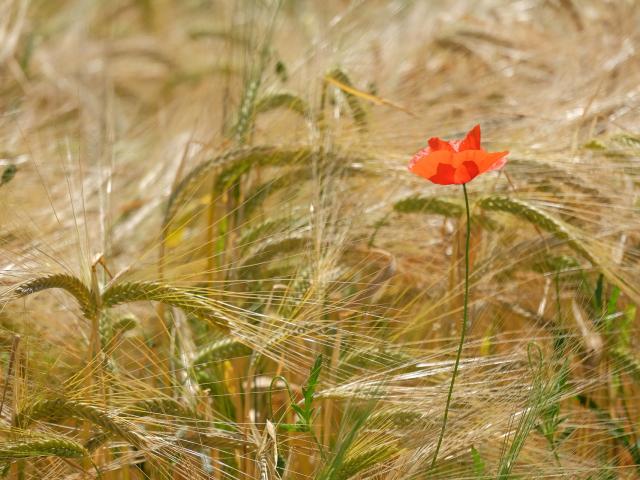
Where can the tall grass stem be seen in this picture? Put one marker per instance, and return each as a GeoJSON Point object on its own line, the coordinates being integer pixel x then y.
{"type": "Point", "coordinates": [464, 326]}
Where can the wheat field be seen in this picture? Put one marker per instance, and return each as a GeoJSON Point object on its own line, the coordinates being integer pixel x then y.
{"type": "Point", "coordinates": [214, 263]}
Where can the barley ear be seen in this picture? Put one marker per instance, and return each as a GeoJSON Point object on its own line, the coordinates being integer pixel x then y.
{"type": "Point", "coordinates": [287, 101]}
{"type": "Point", "coordinates": [223, 349]}
{"type": "Point", "coordinates": [41, 447]}
{"type": "Point", "coordinates": [235, 162]}
{"type": "Point", "coordinates": [535, 216]}
{"type": "Point", "coordinates": [434, 205]}
{"type": "Point", "coordinates": [66, 282]}
{"type": "Point", "coordinates": [189, 301]}
{"type": "Point", "coordinates": [357, 110]}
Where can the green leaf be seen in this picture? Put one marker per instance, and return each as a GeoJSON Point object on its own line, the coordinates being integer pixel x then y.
{"type": "Point", "coordinates": [613, 300]}
{"type": "Point", "coordinates": [597, 296]}
{"type": "Point", "coordinates": [290, 427]}
{"type": "Point", "coordinates": [8, 173]}
{"type": "Point", "coordinates": [313, 380]}
{"type": "Point", "coordinates": [298, 410]}
{"type": "Point", "coordinates": [625, 327]}
{"type": "Point", "coordinates": [478, 462]}
{"type": "Point", "coordinates": [566, 433]}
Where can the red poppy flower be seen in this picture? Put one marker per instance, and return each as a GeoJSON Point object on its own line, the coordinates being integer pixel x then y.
{"type": "Point", "coordinates": [457, 161]}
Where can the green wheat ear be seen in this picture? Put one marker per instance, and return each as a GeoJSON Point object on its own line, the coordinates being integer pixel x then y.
{"type": "Point", "coordinates": [61, 408]}
{"type": "Point", "coordinates": [400, 418]}
{"type": "Point", "coordinates": [222, 349]}
{"type": "Point", "coordinates": [626, 362]}
{"type": "Point", "coordinates": [41, 446]}
{"type": "Point", "coordinates": [222, 34]}
{"type": "Point", "coordinates": [110, 329]}
{"type": "Point", "coordinates": [628, 141]}
{"type": "Point", "coordinates": [257, 196]}
{"type": "Point", "coordinates": [547, 174]}
{"type": "Point", "coordinates": [357, 111]}
{"type": "Point", "coordinates": [235, 162]}
{"type": "Point", "coordinates": [535, 216]}
{"type": "Point", "coordinates": [526, 423]}
{"type": "Point", "coordinates": [284, 100]}
{"type": "Point", "coordinates": [66, 282]}
{"type": "Point", "coordinates": [435, 205]}
{"type": "Point", "coordinates": [362, 458]}
{"type": "Point", "coordinates": [376, 358]}
{"type": "Point", "coordinates": [246, 114]}
{"type": "Point", "coordinates": [545, 263]}
{"type": "Point", "coordinates": [269, 248]}
{"type": "Point", "coordinates": [266, 156]}
{"type": "Point", "coordinates": [110, 422]}
{"type": "Point", "coordinates": [272, 226]}
{"type": "Point", "coordinates": [189, 301]}
{"type": "Point", "coordinates": [7, 174]}
{"type": "Point", "coordinates": [161, 406]}
{"type": "Point", "coordinates": [621, 145]}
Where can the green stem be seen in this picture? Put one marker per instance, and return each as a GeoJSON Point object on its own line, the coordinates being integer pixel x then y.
{"type": "Point", "coordinates": [464, 327]}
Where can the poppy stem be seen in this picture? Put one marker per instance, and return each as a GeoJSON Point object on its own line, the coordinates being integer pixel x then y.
{"type": "Point", "coordinates": [464, 326]}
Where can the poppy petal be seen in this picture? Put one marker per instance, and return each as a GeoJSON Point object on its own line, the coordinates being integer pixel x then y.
{"type": "Point", "coordinates": [485, 161]}
{"type": "Point", "coordinates": [425, 162]}
{"type": "Point", "coordinates": [471, 141]}
{"type": "Point", "coordinates": [444, 175]}
{"type": "Point", "coordinates": [497, 160]}
{"type": "Point", "coordinates": [437, 144]}
{"type": "Point", "coordinates": [466, 172]}
{"type": "Point", "coordinates": [419, 156]}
